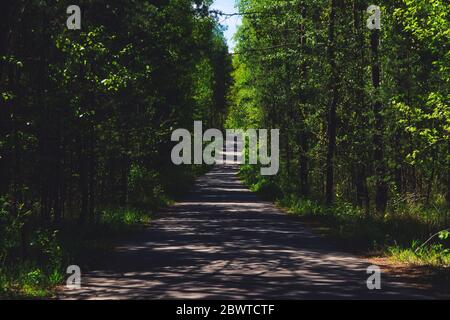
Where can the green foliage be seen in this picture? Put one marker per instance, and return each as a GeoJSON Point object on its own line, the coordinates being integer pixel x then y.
{"type": "Point", "coordinates": [122, 219]}
{"type": "Point", "coordinates": [12, 219]}
{"type": "Point", "coordinates": [444, 235]}
{"type": "Point", "coordinates": [27, 280]}
{"type": "Point", "coordinates": [263, 185]}
{"type": "Point", "coordinates": [45, 242]}
{"type": "Point", "coordinates": [298, 63]}
{"type": "Point", "coordinates": [392, 233]}
{"type": "Point", "coordinates": [38, 273]}
{"type": "Point", "coordinates": [301, 206]}
{"type": "Point", "coordinates": [433, 255]}
{"type": "Point", "coordinates": [146, 190]}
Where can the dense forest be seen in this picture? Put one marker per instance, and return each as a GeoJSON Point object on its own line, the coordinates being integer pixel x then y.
{"type": "Point", "coordinates": [363, 114]}
{"type": "Point", "coordinates": [86, 117]}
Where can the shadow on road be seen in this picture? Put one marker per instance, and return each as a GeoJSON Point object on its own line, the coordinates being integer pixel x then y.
{"type": "Point", "coordinates": [223, 242]}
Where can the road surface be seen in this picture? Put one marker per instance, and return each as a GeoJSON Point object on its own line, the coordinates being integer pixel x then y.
{"type": "Point", "coordinates": [223, 242]}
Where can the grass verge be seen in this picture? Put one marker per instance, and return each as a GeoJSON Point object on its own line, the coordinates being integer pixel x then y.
{"type": "Point", "coordinates": [33, 258]}
{"type": "Point", "coordinates": [49, 252]}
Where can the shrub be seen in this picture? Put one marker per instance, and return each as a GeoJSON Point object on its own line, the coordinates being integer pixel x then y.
{"type": "Point", "coordinates": [122, 219]}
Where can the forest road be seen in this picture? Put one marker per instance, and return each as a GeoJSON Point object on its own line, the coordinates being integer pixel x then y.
{"type": "Point", "coordinates": [223, 242]}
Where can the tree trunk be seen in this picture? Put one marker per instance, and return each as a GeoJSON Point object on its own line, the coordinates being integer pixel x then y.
{"type": "Point", "coordinates": [381, 196]}
{"type": "Point", "coordinates": [362, 195]}
{"type": "Point", "coordinates": [84, 183]}
{"type": "Point", "coordinates": [303, 134]}
{"type": "Point", "coordinates": [331, 121]}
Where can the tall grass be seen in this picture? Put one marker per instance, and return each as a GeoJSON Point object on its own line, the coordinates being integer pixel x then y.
{"type": "Point", "coordinates": [407, 224]}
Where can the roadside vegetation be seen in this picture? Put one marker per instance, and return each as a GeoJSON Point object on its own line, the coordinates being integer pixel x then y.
{"type": "Point", "coordinates": [363, 115]}
{"type": "Point", "coordinates": [408, 233]}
